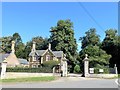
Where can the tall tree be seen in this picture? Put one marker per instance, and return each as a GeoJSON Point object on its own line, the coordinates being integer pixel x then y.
{"type": "Point", "coordinates": [19, 45]}
{"type": "Point", "coordinates": [91, 38]}
{"type": "Point", "coordinates": [111, 44]}
{"type": "Point", "coordinates": [91, 46]}
{"type": "Point", "coordinates": [62, 38]}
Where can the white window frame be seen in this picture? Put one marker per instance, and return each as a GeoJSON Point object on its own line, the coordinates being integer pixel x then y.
{"type": "Point", "coordinates": [47, 57]}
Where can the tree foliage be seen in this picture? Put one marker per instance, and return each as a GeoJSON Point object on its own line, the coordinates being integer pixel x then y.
{"type": "Point", "coordinates": [90, 38]}
{"type": "Point", "coordinates": [77, 69]}
{"type": "Point", "coordinates": [111, 44]}
{"type": "Point", "coordinates": [17, 38]}
{"type": "Point", "coordinates": [97, 56]}
{"type": "Point", "coordinates": [91, 46]}
{"type": "Point", "coordinates": [62, 38]}
{"type": "Point", "coordinates": [19, 45]}
{"type": "Point", "coordinates": [5, 44]}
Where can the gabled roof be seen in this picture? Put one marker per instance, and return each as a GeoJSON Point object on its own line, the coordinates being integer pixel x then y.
{"type": "Point", "coordinates": [3, 56]}
{"type": "Point", "coordinates": [39, 52]}
{"type": "Point", "coordinates": [42, 52]}
{"type": "Point", "coordinates": [33, 53]}
{"type": "Point", "coordinates": [12, 60]}
{"type": "Point", "coordinates": [58, 53]}
{"type": "Point", "coordinates": [23, 61]}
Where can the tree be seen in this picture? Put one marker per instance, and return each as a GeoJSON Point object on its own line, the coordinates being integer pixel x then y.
{"type": "Point", "coordinates": [77, 69]}
{"type": "Point", "coordinates": [118, 53]}
{"type": "Point", "coordinates": [62, 38]}
{"type": "Point", "coordinates": [111, 44]}
{"type": "Point", "coordinates": [20, 50]}
{"type": "Point", "coordinates": [5, 44]}
{"type": "Point", "coordinates": [98, 57]}
{"type": "Point", "coordinates": [19, 45]}
{"type": "Point", "coordinates": [91, 46]}
{"type": "Point", "coordinates": [41, 43]}
{"type": "Point", "coordinates": [91, 38]}
{"type": "Point", "coordinates": [17, 38]}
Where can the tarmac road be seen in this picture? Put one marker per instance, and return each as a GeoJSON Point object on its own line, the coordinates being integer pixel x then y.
{"type": "Point", "coordinates": [69, 82]}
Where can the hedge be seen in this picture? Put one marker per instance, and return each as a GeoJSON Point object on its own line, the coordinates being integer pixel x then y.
{"type": "Point", "coordinates": [30, 70]}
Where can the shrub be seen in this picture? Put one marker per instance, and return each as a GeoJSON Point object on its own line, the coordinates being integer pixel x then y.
{"type": "Point", "coordinates": [77, 69]}
{"type": "Point", "coordinates": [51, 63]}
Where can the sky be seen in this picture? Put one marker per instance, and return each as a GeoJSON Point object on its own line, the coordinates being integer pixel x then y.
{"type": "Point", "coordinates": [31, 19]}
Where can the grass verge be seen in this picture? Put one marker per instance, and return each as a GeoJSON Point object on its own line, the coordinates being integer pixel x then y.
{"type": "Point", "coordinates": [29, 79]}
{"type": "Point", "coordinates": [118, 75]}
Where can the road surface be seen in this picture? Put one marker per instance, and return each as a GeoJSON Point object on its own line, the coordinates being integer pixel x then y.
{"type": "Point", "coordinates": [69, 82]}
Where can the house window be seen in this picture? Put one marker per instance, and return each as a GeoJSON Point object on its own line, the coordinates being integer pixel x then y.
{"type": "Point", "coordinates": [47, 57]}
{"type": "Point", "coordinates": [34, 58]}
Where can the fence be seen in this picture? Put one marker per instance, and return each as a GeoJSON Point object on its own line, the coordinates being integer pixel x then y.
{"type": "Point", "coordinates": [102, 71]}
{"type": "Point", "coordinates": [112, 70]}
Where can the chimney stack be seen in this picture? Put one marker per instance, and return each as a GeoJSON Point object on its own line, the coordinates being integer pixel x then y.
{"type": "Point", "coordinates": [49, 47]}
{"type": "Point", "coordinates": [13, 47]}
{"type": "Point", "coordinates": [34, 46]}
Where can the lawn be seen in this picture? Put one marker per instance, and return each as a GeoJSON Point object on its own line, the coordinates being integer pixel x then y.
{"type": "Point", "coordinates": [29, 79]}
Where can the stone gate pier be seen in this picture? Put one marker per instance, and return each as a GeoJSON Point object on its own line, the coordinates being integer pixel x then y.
{"type": "Point", "coordinates": [86, 66]}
